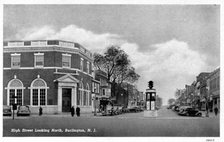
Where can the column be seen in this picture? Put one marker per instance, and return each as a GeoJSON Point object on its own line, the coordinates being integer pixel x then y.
{"type": "Point", "coordinates": [59, 99]}
{"type": "Point", "coordinates": [74, 96]}
{"type": "Point", "coordinates": [8, 97]}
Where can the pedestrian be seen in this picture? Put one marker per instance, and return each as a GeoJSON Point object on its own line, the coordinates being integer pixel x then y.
{"type": "Point", "coordinates": [72, 111]}
{"type": "Point", "coordinates": [40, 111]}
{"type": "Point", "coordinates": [78, 111]}
{"type": "Point", "coordinates": [216, 111]}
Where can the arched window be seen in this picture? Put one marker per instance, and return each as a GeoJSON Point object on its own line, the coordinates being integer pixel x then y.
{"type": "Point", "coordinates": [15, 92]}
{"type": "Point", "coordinates": [80, 94]}
{"type": "Point", "coordinates": [38, 90]}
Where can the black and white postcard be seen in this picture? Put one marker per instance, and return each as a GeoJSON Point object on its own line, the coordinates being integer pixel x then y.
{"type": "Point", "coordinates": [111, 70]}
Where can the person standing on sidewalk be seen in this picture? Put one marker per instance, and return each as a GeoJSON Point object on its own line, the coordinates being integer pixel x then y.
{"type": "Point", "coordinates": [40, 111]}
{"type": "Point", "coordinates": [216, 111]}
{"type": "Point", "coordinates": [72, 111]}
{"type": "Point", "coordinates": [78, 111]}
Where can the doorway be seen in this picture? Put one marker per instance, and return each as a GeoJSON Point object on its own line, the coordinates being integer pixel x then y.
{"type": "Point", "coordinates": [66, 99]}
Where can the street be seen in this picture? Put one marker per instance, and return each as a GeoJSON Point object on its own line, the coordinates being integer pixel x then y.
{"type": "Point", "coordinates": [167, 124]}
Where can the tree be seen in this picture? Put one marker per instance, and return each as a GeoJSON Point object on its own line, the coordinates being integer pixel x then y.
{"type": "Point", "coordinates": [171, 101]}
{"type": "Point", "coordinates": [116, 64]}
{"type": "Point", "coordinates": [112, 60]}
{"type": "Point", "coordinates": [158, 101]}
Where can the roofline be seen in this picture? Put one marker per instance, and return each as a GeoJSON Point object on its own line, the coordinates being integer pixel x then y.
{"type": "Point", "coordinates": [46, 40]}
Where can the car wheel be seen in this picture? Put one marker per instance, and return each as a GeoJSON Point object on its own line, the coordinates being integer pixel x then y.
{"type": "Point", "coordinates": [199, 114]}
{"type": "Point", "coordinates": [187, 114]}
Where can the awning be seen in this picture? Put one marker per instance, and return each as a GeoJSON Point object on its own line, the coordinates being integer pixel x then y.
{"type": "Point", "coordinates": [113, 98]}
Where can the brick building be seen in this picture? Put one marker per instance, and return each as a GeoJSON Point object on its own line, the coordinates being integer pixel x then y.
{"type": "Point", "coordinates": [103, 95]}
{"type": "Point", "coordinates": [53, 74]}
{"type": "Point", "coordinates": [213, 82]}
{"type": "Point", "coordinates": [201, 89]}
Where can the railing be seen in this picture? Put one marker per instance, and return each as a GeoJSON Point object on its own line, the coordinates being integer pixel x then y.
{"type": "Point", "coordinates": [40, 43]}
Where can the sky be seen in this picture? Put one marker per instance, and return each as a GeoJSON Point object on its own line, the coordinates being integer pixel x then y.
{"type": "Point", "coordinates": [168, 44]}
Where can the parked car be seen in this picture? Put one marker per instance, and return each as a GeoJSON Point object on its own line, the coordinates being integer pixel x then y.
{"type": "Point", "coordinates": [134, 109]}
{"type": "Point", "coordinates": [125, 110]}
{"type": "Point", "coordinates": [118, 109]}
{"type": "Point", "coordinates": [175, 108]}
{"type": "Point", "coordinates": [7, 110]}
{"type": "Point", "coordinates": [181, 108]}
{"type": "Point", "coordinates": [142, 108]}
{"type": "Point", "coordinates": [23, 111]}
{"type": "Point", "coordinates": [108, 111]}
{"type": "Point", "coordinates": [170, 106]}
{"type": "Point", "coordinates": [189, 111]}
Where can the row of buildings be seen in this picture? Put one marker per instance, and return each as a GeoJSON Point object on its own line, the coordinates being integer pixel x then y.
{"type": "Point", "coordinates": [55, 75]}
{"type": "Point", "coordinates": [203, 93]}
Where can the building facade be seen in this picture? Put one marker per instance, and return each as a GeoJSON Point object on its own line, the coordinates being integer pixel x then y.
{"type": "Point", "coordinates": [104, 95]}
{"type": "Point", "coordinates": [53, 74]}
{"type": "Point", "coordinates": [201, 89]}
{"type": "Point", "coordinates": [95, 95]}
{"type": "Point", "coordinates": [213, 82]}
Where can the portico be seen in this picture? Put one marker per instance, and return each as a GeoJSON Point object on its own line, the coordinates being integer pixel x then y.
{"type": "Point", "coordinates": [67, 92]}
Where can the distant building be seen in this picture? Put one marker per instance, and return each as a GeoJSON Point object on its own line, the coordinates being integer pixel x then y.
{"type": "Point", "coordinates": [105, 85]}
{"type": "Point", "coordinates": [141, 99]}
{"type": "Point", "coordinates": [95, 95]}
{"type": "Point", "coordinates": [103, 91]}
{"type": "Point", "coordinates": [53, 74]}
{"type": "Point", "coordinates": [189, 94]}
{"type": "Point", "coordinates": [213, 82]}
{"type": "Point", "coordinates": [201, 89]}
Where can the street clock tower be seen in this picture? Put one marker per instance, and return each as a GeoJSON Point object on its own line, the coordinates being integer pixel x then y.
{"type": "Point", "coordinates": [150, 101]}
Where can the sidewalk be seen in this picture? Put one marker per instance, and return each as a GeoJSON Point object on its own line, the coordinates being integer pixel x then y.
{"type": "Point", "coordinates": [210, 114]}
{"type": "Point", "coordinates": [64, 115]}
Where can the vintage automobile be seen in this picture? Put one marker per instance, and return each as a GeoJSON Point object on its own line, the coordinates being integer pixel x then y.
{"type": "Point", "coordinates": [125, 110]}
{"type": "Point", "coordinates": [118, 109]}
{"type": "Point", "coordinates": [108, 111]}
{"type": "Point", "coordinates": [189, 111]}
{"type": "Point", "coordinates": [23, 111]}
{"type": "Point", "coordinates": [169, 107]}
{"type": "Point", "coordinates": [134, 109]}
{"type": "Point", "coordinates": [7, 111]}
{"type": "Point", "coordinates": [181, 108]}
{"type": "Point", "coordinates": [175, 108]}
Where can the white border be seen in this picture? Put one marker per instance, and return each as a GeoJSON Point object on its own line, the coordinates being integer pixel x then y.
{"type": "Point", "coordinates": [132, 139]}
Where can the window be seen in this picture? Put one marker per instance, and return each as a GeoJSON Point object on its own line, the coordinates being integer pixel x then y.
{"type": "Point", "coordinates": [42, 97]}
{"type": "Point", "coordinates": [19, 97]}
{"type": "Point", "coordinates": [15, 92]}
{"type": "Point", "coordinates": [15, 60]}
{"type": "Point", "coordinates": [89, 95]}
{"type": "Point", "coordinates": [35, 97]}
{"type": "Point", "coordinates": [97, 88]}
{"type": "Point", "coordinates": [66, 60]}
{"type": "Point", "coordinates": [80, 94]}
{"type": "Point", "coordinates": [85, 98]}
{"type": "Point", "coordinates": [39, 59]}
{"type": "Point", "coordinates": [12, 99]}
{"type": "Point", "coordinates": [104, 93]}
{"type": "Point", "coordinates": [88, 68]}
{"type": "Point", "coordinates": [93, 86]}
{"type": "Point", "coordinates": [78, 98]}
{"type": "Point", "coordinates": [38, 92]}
{"type": "Point", "coordinates": [81, 64]}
